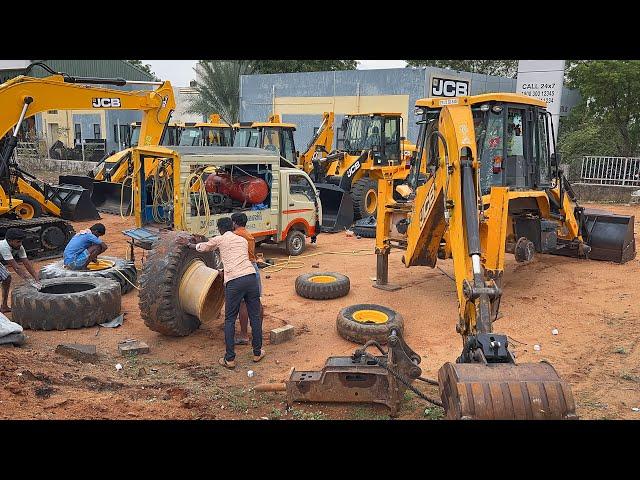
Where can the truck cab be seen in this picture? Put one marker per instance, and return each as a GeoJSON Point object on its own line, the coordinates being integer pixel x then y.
{"type": "Point", "coordinates": [207, 183]}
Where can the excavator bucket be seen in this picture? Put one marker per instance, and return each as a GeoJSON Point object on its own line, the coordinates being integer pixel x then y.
{"type": "Point", "coordinates": [74, 201]}
{"type": "Point", "coordinates": [504, 391]}
{"type": "Point", "coordinates": [110, 197]}
{"type": "Point", "coordinates": [610, 236]}
{"type": "Point", "coordinates": [337, 207]}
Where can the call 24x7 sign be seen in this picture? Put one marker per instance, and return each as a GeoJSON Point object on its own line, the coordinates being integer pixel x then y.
{"type": "Point", "coordinates": [449, 87]}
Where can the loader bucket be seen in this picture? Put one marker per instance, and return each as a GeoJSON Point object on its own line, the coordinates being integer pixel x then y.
{"type": "Point", "coordinates": [504, 391]}
{"type": "Point", "coordinates": [337, 208]}
{"type": "Point", "coordinates": [82, 180]}
{"type": "Point", "coordinates": [610, 236]}
{"type": "Point", "coordinates": [111, 197]}
{"type": "Point", "coordinates": [74, 202]}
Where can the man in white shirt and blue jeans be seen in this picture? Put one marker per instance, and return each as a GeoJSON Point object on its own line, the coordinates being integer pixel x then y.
{"type": "Point", "coordinates": [13, 253]}
{"type": "Point", "coordinates": [240, 283]}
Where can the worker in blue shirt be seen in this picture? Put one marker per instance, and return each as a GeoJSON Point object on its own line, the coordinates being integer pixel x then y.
{"type": "Point", "coordinates": [85, 247]}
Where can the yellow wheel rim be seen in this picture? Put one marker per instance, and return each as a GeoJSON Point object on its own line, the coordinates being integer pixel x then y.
{"type": "Point", "coordinates": [322, 279]}
{"type": "Point", "coordinates": [370, 316]}
{"type": "Point", "coordinates": [371, 201]}
{"type": "Point", "coordinates": [25, 211]}
{"type": "Point", "coordinates": [101, 264]}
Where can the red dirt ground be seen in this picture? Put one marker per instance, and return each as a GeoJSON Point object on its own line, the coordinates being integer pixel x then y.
{"type": "Point", "coordinates": [594, 305]}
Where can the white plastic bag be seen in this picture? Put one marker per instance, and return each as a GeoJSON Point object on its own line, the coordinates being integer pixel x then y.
{"type": "Point", "coordinates": [8, 327]}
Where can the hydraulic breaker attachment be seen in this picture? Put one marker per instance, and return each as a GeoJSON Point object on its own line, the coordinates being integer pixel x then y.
{"type": "Point", "coordinates": [337, 207]}
{"type": "Point", "coordinates": [111, 197]}
{"type": "Point", "coordinates": [360, 378]}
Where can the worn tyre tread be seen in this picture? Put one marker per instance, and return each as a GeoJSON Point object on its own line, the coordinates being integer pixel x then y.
{"type": "Point", "coordinates": [36, 310]}
{"type": "Point", "coordinates": [322, 291]}
{"type": "Point", "coordinates": [361, 333]}
{"type": "Point", "coordinates": [159, 279]}
{"type": "Point", "coordinates": [126, 267]}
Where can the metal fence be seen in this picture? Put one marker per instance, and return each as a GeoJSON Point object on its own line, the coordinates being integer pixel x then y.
{"type": "Point", "coordinates": [623, 171]}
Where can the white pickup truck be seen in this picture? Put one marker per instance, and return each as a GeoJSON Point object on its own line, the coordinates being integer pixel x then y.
{"type": "Point", "coordinates": [290, 213]}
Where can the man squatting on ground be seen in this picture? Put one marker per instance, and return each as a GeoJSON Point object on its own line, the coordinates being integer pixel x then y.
{"type": "Point", "coordinates": [240, 283]}
{"type": "Point", "coordinates": [10, 248]}
{"type": "Point", "coordinates": [239, 220]}
{"type": "Point", "coordinates": [84, 247]}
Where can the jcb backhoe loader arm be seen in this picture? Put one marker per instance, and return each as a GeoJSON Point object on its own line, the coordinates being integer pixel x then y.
{"type": "Point", "coordinates": [320, 145]}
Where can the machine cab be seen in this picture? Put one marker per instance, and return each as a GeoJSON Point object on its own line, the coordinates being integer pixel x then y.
{"type": "Point", "coordinates": [170, 136]}
{"type": "Point", "coordinates": [272, 135]}
{"type": "Point", "coordinates": [378, 132]}
{"type": "Point", "coordinates": [205, 135]}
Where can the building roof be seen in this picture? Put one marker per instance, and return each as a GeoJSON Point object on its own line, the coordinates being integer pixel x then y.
{"type": "Point", "coordinates": [94, 68]}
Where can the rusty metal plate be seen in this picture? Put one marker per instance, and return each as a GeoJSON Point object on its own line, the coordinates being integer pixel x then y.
{"type": "Point", "coordinates": [530, 391]}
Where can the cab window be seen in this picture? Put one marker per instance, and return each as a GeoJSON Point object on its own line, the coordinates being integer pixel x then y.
{"type": "Point", "coordinates": [299, 187]}
{"type": "Point", "coordinates": [541, 149]}
{"type": "Point", "coordinates": [392, 139]}
{"type": "Point", "coordinates": [489, 128]}
{"type": "Point", "coordinates": [287, 146]}
{"type": "Point", "coordinates": [271, 140]}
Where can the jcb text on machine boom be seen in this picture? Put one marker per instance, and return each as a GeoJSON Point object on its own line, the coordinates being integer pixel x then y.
{"type": "Point", "coordinates": [492, 185]}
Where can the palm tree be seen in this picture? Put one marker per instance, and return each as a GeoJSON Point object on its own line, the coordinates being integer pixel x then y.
{"type": "Point", "coordinates": [218, 88]}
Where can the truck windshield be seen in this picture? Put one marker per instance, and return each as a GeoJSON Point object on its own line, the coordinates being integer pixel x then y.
{"type": "Point", "coordinates": [171, 136]}
{"type": "Point", "coordinates": [489, 130]}
{"type": "Point", "coordinates": [362, 133]}
{"type": "Point", "coordinates": [135, 135]}
{"type": "Point", "coordinates": [246, 137]}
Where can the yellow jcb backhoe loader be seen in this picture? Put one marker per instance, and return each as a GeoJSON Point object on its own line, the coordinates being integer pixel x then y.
{"type": "Point", "coordinates": [492, 185]}
{"type": "Point", "coordinates": [20, 194]}
{"type": "Point", "coordinates": [214, 133]}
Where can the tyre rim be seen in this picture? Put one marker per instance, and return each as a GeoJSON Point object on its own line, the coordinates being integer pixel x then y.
{"type": "Point", "coordinates": [101, 264]}
{"type": "Point", "coordinates": [370, 316]}
{"type": "Point", "coordinates": [371, 201]}
{"type": "Point", "coordinates": [322, 279]}
{"type": "Point", "coordinates": [25, 211]}
{"type": "Point", "coordinates": [297, 243]}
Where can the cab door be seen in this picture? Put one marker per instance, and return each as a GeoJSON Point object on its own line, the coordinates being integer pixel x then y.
{"type": "Point", "coordinates": [299, 201]}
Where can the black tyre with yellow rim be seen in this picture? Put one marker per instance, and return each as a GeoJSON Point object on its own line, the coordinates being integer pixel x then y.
{"type": "Point", "coordinates": [365, 197]}
{"type": "Point", "coordinates": [29, 208]}
{"type": "Point", "coordinates": [322, 285]}
{"type": "Point", "coordinates": [365, 321]}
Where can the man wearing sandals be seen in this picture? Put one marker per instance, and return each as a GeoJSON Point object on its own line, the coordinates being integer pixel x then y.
{"type": "Point", "coordinates": [240, 284]}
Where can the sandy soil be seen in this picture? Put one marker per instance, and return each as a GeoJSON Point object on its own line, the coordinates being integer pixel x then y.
{"type": "Point", "coordinates": [594, 305]}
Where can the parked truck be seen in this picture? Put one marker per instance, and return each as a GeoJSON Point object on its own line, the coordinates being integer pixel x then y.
{"type": "Point", "coordinates": [207, 183]}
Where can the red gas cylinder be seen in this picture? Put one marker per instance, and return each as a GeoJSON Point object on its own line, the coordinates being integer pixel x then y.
{"type": "Point", "coordinates": [243, 189]}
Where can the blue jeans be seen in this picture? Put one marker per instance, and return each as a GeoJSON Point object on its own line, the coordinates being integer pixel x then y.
{"type": "Point", "coordinates": [255, 265]}
{"type": "Point", "coordinates": [242, 288]}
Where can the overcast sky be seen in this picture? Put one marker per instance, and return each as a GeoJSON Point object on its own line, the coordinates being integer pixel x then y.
{"type": "Point", "coordinates": [180, 72]}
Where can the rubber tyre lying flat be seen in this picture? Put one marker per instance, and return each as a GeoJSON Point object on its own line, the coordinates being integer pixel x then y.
{"type": "Point", "coordinates": [39, 310]}
{"type": "Point", "coordinates": [159, 280]}
{"type": "Point", "coordinates": [121, 269]}
{"type": "Point", "coordinates": [327, 285]}
{"type": "Point", "coordinates": [365, 228]}
{"type": "Point", "coordinates": [360, 332]}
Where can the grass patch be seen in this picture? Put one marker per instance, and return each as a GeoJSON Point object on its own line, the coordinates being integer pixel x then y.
{"type": "Point", "coordinates": [363, 413]}
{"type": "Point", "coordinates": [433, 413]}
{"type": "Point", "coordinates": [275, 414]}
{"type": "Point", "coordinates": [237, 402]}
{"type": "Point", "coordinates": [629, 377]}
{"type": "Point", "coordinates": [302, 415]}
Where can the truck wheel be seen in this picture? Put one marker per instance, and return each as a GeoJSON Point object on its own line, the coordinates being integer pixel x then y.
{"type": "Point", "coordinates": [29, 208]}
{"type": "Point", "coordinates": [365, 198]}
{"type": "Point", "coordinates": [322, 286]}
{"type": "Point", "coordinates": [64, 303]}
{"type": "Point", "coordinates": [122, 271]}
{"type": "Point", "coordinates": [363, 322]}
{"type": "Point", "coordinates": [295, 242]}
{"type": "Point", "coordinates": [159, 283]}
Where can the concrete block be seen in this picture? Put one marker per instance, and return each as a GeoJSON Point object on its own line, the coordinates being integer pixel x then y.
{"type": "Point", "coordinates": [281, 334]}
{"type": "Point", "coordinates": [83, 353]}
{"type": "Point", "coordinates": [132, 347]}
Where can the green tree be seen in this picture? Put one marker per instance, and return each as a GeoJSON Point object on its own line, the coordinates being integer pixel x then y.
{"type": "Point", "coordinates": [218, 88]}
{"type": "Point", "coordinates": [610, 103]}
{"type": "Point", "coordinates": [143, 66]}
{"type": "Point", "coordinates": [290, 66]}
{"type": "Point", "coordinates": [504, 68]}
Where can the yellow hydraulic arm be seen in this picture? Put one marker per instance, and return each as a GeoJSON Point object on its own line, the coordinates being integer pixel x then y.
{"type": "Point", "coordinates": [320, 145]}
{"type": "Point", "coordinates": [24, 97]}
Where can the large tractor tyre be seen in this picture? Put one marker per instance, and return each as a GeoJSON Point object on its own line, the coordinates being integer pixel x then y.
{"type": "Point", "coordinates": [365, 228]}
{"type": "Point", "coordinates": [365, 198]}
{"type": "Point", "coordinates": [65, 303]}
{"type": "Point", "coordinates": [322, 286]}
{"type": "Point", "coordinates": [295, 242]}
{"type": "Point", "coordinates": [29, 208]}
{"type": "Point", "coordinates": [363, 322]}
{"type": "Point", "coordinates": [159, 285]}
{"type": "Point", "coordinates": [122, 271]}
